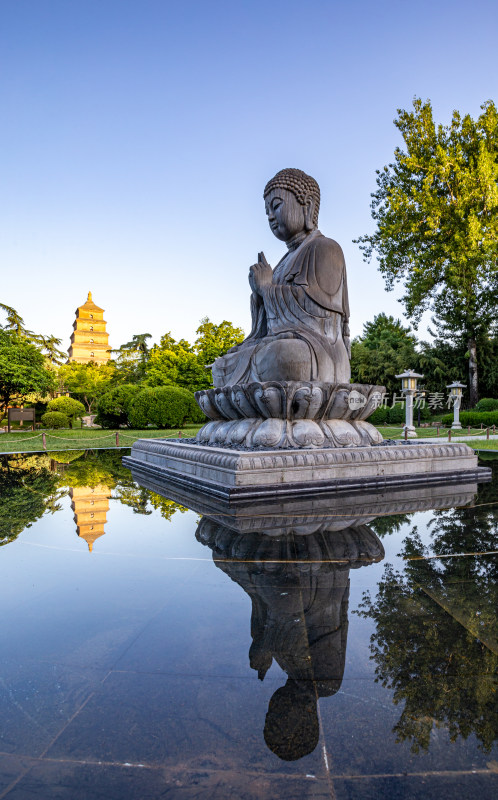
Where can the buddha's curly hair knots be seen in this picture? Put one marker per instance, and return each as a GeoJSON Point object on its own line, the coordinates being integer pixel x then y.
{"type": "Point", "coordinates": [300, 184]}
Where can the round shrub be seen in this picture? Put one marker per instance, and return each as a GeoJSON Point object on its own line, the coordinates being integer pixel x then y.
{"type": "Point", "coordinates": [379, 416]}
{"type": "Point", "coordinates": [66, 405]}
{"type": "Point", "coordinates": [55, 419]}
{"type": "Point", "coordinates": [113, 407]}
{"type": "Point", "coordinates": [163, 407]}
{"type": "Point", "coordinates": [487, 404]}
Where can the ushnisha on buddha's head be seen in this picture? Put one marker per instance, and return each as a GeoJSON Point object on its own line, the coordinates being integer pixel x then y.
{"type": "Point", "coordinates": [292, 202]}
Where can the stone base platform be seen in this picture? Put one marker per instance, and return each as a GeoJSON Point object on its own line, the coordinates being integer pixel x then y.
{"type": "Point", "coordinates": [237, 475]}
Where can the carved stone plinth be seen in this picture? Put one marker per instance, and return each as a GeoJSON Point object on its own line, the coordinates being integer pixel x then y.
{"type": "Point", "coordinates": [235, 474]}
{"type": "Point", "coordinates": [289, 414]}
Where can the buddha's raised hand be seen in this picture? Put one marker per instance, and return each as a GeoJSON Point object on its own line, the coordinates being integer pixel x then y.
{"type": "Point", "coordinates": [260, 274]}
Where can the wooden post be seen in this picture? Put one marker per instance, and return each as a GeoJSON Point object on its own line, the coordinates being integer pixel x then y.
{"type": "Point", "coordinates": [179, 434]}
{"type": "Point", "coordinates": [437, 430]}
{"type": "Point", "coordinates": [449, 435]}
{"type": "Point", "coordinates": [44, 440]}
{"type": "Point", "coordinates": [117, 439]}
{"type": "Point", "coordinates": [406, 434]}
{"type": "Point", "coordinates": [487, 433]}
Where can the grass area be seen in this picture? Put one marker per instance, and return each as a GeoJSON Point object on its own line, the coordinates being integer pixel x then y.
{"type": "Point", "coordinates": [390, 432]}
{"type": "Point", "coordinates": [84, 438]}
{"type": "Point", "coordinates": [88, 438]}
{"type": "Point", "coordinates": [485, 445]}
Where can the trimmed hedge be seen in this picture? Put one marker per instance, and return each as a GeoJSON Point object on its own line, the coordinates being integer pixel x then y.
{"type": "Point", "coordinates": [474, 418]}
{"type": "Point", "coordinates": [487, 404]}
{"type": "Point", "coordinates": [113, 407]}
{"type": "Point", "coordinates": [164, 407]}
{"type": "Point", "coordinates": [68, 406]}
{"type": "Point", "coordinates": [396, 415]}
{"type": "Point", "coordinates": [55, 419]}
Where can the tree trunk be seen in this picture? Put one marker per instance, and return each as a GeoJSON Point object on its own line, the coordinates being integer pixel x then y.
{"type": "Point", "coordinates": [473, 378]}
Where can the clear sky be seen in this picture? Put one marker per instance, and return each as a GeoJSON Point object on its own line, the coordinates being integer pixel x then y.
{"type": "Point", "coordinates": [136, 138]}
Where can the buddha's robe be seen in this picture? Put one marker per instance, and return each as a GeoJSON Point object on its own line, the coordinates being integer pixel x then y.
{"type": "Point", "coordinates": [307, 301]}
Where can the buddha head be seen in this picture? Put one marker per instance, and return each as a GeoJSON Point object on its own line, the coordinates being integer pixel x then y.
{"type": "Point", "coordinates": [292, 202]}
{"type": "Point", "coordinates": [291, 725]}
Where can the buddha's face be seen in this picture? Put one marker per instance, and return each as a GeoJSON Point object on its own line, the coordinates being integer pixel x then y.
{"type": "Point", "coordinates": [286, 216]}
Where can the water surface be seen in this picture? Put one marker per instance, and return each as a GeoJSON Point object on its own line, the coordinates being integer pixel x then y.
{"type": "Point", "coordinates": [319, 650]}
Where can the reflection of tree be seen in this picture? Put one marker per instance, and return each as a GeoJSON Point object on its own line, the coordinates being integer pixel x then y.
{"type": "Point", "coordinates": [93, 468]}
{"type": "Point", "coordinates": [383, 526]}
{"type": "Point", "coordinates": [436, 640]}
{"type": "Point", "coordinates": [134, 497]}
{"type": "Point", "coordinates": [28, 489]}
{"type": "Point", "coordinates": [166, 507]}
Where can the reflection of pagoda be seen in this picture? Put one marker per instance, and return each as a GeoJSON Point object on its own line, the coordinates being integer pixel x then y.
{"type": "Point", "coordinates": [90, 505]}
{"type": "Point", "coordinates": [89, 340]}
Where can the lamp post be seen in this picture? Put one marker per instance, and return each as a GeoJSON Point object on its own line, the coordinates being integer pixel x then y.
{"type": "Point", "coordinates": [409, 388]}
{"type": "Point", "coordinates": [456, 395]}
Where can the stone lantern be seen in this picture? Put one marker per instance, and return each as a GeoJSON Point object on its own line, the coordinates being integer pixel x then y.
{"type": "Point", "coordinates": [409, 388]}
{"type": "Point", "coordinates": [456, 395]}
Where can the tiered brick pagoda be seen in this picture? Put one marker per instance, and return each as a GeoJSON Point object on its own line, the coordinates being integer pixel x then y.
{"type": "Point", "coordinates": [89, 340]}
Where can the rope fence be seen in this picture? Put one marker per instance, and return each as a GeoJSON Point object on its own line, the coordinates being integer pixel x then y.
{"type": "Point", "coordinates": [44, 436]}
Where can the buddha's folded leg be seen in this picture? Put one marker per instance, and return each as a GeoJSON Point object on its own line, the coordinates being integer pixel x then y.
{"type": "Point", "coordinates": [284, 360]}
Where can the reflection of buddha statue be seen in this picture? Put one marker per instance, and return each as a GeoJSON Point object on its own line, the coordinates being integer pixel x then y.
{"type": "Point", "coordinates": [299, 310]}
{"type": "Point", "coordinates": [299, 588]}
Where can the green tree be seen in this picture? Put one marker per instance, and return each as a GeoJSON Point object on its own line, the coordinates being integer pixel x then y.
{"type": "Point", "coordinates": [49, 345]}
{"type": "Point", "coordinates": [87, 381]}
{"type": "Point", "coordinates": [133, 357]}
{"type": "Point", "coordinates": [113, 407]}
{"type": "Point", "coordinates": [22, 368]}
{"type": "Point", "coordinates": [215, 340]}
{"type": "Point", "coordinates": [436, 214]}
{"type": "Point", "coordinates": [385, 349]}
{"type": "Point", "coordinates": [174, 363]}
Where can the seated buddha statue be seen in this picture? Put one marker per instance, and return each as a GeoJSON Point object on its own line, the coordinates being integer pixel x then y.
{"type": "Point", "coordinates": [300, 309]}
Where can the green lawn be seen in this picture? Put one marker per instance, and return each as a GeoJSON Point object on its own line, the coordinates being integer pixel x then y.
{"type": "Point", "coordinates": [88, 438]}
{"type": "Point", "coordinates": [83, 438]}
{"type": "Point", "coordinates": [390, 432]}
{"type": "Point", "coordinates": [485, 445]}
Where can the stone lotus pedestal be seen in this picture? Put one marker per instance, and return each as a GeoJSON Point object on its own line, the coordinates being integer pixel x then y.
{"type": "Point", "coordinates": [289, 415]}
{"type": "Point", "coordinates": [289, 438]}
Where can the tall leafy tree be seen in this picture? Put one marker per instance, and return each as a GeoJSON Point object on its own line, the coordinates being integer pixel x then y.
{"type": "Point", "coordinates": [132, 357]}
{"type": "Point", "coordinates": [214, 340]}
{"type": "Point", "coordinates": [87, 381]}
{"type": "Point", "coordinates": [385, 349]}
{"type": "Point", "coordinates": [49, 345]}
{"type": "Point", "coordinates": [23, 368]}
{"type": "Point", "coordinates": [182, 364]}
{"type": "Point", "coordinates": [436, 214]}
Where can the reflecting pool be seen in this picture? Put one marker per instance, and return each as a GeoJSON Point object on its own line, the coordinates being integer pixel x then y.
{"type": "Point", "coordinates": [161, 645]}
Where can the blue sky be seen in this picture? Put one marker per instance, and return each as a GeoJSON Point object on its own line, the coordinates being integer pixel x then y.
{"type": "Point", "coordinates": [137, 137]}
